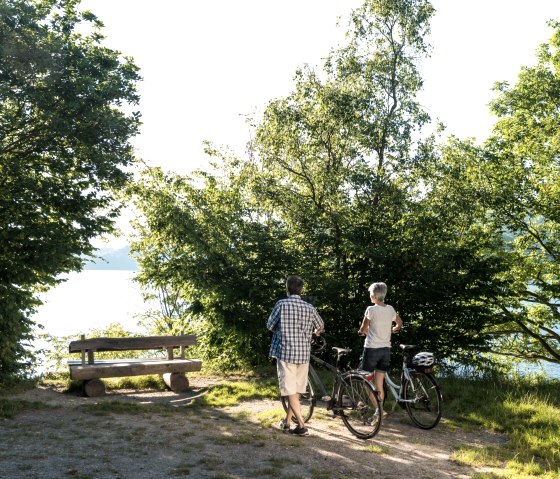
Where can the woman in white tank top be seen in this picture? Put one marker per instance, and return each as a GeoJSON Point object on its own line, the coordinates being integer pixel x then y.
{"type": "Point", "coordinates": [377, 327]}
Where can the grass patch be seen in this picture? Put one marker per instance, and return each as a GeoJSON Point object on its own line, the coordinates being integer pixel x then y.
{"type": "Point", "coordinates": [232, 393]}
{"type": "Point", "coordinates": [78, 475]}
{"type": "Point", "coordinates": [15, 386]}
{"type": "Point", "coordinates": [376, 449]}
{"type": "Point", "coordinates": [10, 407]}
{"type": "Point", "coordinates": [288, 441]}
{"type": "Point", "coordinates": [152, 381]}
{"type": "Point", "coordinates": [277, 462]}
{"type": "Point", "coordinates": [242, 416]}
{"type": "Point", "coordinates": [489, 456]}
{"type": "Point", "coordinates": [182, 470]}
{"type": "Point", "coordinates": [526, 410]}
{"type": "Point", "coordinates": [274, 470]}
{"type": "Point", "coordinates": [269, 418]}
{"type": "Point", "coordinates": [265, 472]}
{"type": "Point", "coordinates": [211, 463]}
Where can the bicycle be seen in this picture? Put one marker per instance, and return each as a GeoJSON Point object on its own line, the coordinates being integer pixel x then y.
{"type": "Point", "coordinates": [418, 391]}
{"type": "Point", "coordinates": [353, 397]}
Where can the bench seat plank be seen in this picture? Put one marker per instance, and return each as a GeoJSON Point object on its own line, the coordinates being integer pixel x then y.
{"type": "Point", "coordinates": [132, 343]}
{"type": "Point", "coordinates": [128, 367]}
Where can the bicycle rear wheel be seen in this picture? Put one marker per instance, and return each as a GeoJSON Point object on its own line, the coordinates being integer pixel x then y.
{"type": "Point", "coordinates": [359, 406]}
{"type": "Point", "coordinates": [425, 407]}
{"type": "Point", "coordinates": [306, 401]}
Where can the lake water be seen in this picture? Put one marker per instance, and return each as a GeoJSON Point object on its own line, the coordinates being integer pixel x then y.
{"type": "Point", "coordinates": [91, 299]}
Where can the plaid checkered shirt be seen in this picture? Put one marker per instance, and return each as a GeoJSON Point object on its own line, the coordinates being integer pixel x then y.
{"type": "Point", "coordinates": [293, 321]}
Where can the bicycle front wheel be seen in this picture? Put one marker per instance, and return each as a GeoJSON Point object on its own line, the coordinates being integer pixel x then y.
{"type": "Point", "coordinates": [423, 399]}
{"type": "Point", "coordinates": [359, 406]}
{"type": "Point", "coordinates": [306, 402]}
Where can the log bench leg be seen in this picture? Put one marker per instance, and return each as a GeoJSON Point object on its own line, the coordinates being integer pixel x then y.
{"type": "Point", "coordinates": [94, 388]}
{"type": "Point", "coordinates": [177, 382]}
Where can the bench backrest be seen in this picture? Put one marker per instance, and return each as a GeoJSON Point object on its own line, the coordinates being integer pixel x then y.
{"type": "Point", "coordinates": [132, 343]}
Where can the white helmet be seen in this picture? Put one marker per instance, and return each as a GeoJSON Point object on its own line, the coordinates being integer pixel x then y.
{"type": "Point", "coordinates": [423, 359]}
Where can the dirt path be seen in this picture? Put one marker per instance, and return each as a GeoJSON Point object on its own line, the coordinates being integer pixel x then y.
{"type": "Point", "coordinates": [156, 436]}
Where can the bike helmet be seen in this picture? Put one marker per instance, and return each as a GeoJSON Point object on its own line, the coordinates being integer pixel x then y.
{"type": "Point", "coordinates": [318, 343]}
{"type": "Point", "coordinates": [423, 359]}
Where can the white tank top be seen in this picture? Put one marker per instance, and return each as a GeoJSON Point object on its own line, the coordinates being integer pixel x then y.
{"type": "Point", "coordinates": [381, 321]}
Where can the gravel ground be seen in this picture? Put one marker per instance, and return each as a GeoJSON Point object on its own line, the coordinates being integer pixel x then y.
{"type": "Point", "coordinates": [154, 434]}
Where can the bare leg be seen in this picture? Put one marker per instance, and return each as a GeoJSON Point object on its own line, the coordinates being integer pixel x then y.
{"type": "Point", "coordinates": [293, 400]}
{"type": "Point", "coordinates": [289, 412]}
{"type": "Point", "coordinates": [378, 378]}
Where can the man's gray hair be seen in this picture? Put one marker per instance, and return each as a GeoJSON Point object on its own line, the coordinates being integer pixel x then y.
{"type": "Point", "coordinates": [379, 290]}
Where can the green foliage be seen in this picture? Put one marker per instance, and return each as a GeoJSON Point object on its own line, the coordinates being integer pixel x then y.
{"type": "Point", "coordinates": [339, 188]}
{"type": "Point", "coordinates": [15, 384]}
{"type": "Point", "coordinates": [513, 181]}
{"type": "Point", "coordinates": [64, 148]}
{"type": "Point", "coordinates": [55, 354]}
{"type": "Point", "coordinates": [342, 170]}
{"type": "Point", "coordinates": [201, 238]}
{"type": "Point", "coordinates": [522, 162]}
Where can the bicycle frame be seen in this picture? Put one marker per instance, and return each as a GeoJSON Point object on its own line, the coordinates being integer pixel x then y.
{"type": "Point", "coordinates": [418, 393]}
{"type": "Point", "coordinates": [353, 398]}
{"type": "Point", "coordinates": [396, 389]}
{"type": "Point", "coordinates": [337, 384]}
{"type": "Point", "coordinates": [317, 379]}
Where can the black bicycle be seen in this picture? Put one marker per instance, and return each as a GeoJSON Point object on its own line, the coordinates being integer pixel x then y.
{"type": "Point", "coordinates": [353, 397]}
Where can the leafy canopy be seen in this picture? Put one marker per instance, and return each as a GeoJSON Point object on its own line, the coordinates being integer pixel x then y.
{"type": "Point", "coordinates": [64, 151]}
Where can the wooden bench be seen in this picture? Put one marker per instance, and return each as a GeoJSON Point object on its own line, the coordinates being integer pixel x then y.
{"type": "Point", "coordinates": [91, 370]}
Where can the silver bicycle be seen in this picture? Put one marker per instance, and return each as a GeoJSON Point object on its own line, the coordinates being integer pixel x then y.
{"type": "Point", "coordinates": [418, 392]}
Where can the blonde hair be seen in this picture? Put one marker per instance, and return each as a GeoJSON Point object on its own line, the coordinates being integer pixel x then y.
{"type": "Point", "coordinates": [379, 290]}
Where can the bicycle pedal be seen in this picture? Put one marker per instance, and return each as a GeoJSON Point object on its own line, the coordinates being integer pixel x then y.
{"type": "Point", "coordinates": [326, 398]}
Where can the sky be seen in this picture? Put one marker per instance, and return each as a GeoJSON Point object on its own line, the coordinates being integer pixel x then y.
{"type": "Point", "coordinates": [208, 65]}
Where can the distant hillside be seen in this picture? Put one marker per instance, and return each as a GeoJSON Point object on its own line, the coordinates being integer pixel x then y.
{"type": "Point", "coordinates": [113, 258]}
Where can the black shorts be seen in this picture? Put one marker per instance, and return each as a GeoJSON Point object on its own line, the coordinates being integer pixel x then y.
{"type": "Point", "coordinates": [376, 359]}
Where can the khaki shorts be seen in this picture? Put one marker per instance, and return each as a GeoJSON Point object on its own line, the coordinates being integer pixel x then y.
{"type": "Point", "coordinates": [292, 377]}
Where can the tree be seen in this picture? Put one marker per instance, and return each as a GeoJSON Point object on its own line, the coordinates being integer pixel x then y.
{"type": "Point", "coordinates": [515, 175]}
{"type": "Point", "coordinates": [206, 241]}
{"type": "Point", "coordinates": [344, 167]}
{"type": "Point", "coordinates": [336, 189]}
{"type": "Point", "coordinates": [64, 149]}
{"type": "Point", "coordinates": [335, 147]}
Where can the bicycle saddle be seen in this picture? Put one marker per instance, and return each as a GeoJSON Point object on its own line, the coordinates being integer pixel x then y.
{"type": "Point", "coordinates": [341, 351]}
{"type": "Point", "coordinates": [408, 347]}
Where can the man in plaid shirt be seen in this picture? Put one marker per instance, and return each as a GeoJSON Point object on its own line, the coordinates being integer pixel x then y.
{"type": "Point", "coordinates": [293, 321]}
